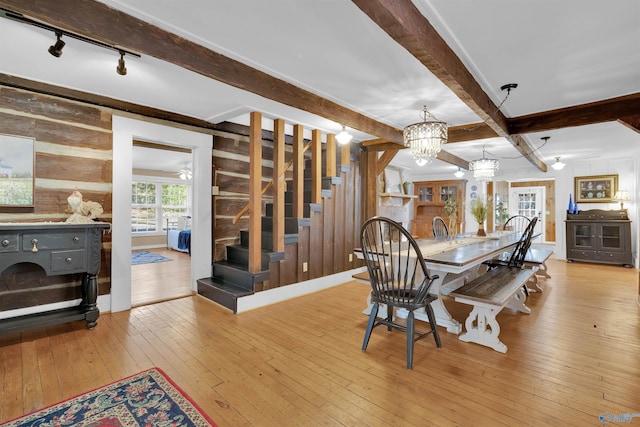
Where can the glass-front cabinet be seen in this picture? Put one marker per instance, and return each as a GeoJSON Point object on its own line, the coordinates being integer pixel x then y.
{"type": "Point", "coordinates": [599, 236]}
{"type": "Point", "coordinates": [431, 197]}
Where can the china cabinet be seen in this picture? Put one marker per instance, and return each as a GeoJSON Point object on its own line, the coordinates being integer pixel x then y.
{"type": "Point", "coordinates": [431, 197]}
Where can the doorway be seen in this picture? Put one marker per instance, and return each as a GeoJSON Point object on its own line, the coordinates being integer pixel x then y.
{"type": "Point", "coordinates": [529, 202]}
{"type": "Point", "coordinates": [161, 222]}
{"type": "Point", "coordinates": [125, 130]}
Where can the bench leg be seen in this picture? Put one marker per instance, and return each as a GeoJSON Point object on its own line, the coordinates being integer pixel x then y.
{"type": "Point", "coordinates": [517, 302]}
{"type": "Point", "coordinates": [542, 271]}
{"type": "Point", "coordinates": [482, 328]}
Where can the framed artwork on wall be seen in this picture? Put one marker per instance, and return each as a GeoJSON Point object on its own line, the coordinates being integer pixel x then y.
{"type": "Point", "coordinates": [595, 189]}
{"type": "Point", "coordinates": [16, 171]}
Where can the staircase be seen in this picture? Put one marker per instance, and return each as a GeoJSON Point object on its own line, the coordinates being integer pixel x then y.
{"type": "Point", "coordinates": [230, 279]}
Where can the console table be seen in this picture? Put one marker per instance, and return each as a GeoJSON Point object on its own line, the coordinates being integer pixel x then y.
{"type": "Point", "coordinates": [57, 248]}
{"type": "Point", "coordinates": [599, 236]}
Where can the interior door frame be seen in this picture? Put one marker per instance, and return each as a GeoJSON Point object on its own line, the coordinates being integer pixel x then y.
{"type": "Point", "coordinates": [541, 190]}
{"type": "Point", "coordinates": [125, 130]}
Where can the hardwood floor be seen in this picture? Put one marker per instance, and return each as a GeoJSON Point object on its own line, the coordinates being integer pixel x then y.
{"type": "Point", "coordinates": [151, 283]}
{"type": "Point", "coordinates": [299, 363]}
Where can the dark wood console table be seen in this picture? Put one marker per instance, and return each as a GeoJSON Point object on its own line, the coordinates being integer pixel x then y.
{"type": "Point", "coordinates": [58, 248]}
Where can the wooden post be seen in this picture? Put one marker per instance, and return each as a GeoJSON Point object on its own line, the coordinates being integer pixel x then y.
{"type": "Point", "coordinates": [298, 171]}
{"type": "Point", "coordinates": [316, 167]}
{"type": "Point", "coordinates": [255, 190]}
{"type": "Point", "coordinates": [278, 185]}
{"type": "Point", "coordinates": [345, 155]}
{"type": "Point", "coordinates": [331, 155]}
{"type": "Point", "coordinates": [371, 206]}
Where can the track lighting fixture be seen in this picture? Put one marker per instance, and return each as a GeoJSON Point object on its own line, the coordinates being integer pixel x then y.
{"type": "Point", "coordinates": [121, 69]}
{"type": "Point", "coordinates": [56, 48]}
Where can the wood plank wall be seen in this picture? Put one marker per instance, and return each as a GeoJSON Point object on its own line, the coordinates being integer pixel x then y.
{"type": "Point", "coordinates": [73, 148]}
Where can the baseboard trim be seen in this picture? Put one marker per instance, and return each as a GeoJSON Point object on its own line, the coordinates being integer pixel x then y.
{"type": "Point", "coordinates": [272, 296]}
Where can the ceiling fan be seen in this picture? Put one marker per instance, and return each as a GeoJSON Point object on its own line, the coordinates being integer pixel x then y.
{"type": "Point", "coordinates": [185, 173]}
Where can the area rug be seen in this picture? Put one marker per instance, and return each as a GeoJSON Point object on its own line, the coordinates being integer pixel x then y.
{"type": "Point", "coordinates": [147, 399]}
{"type": "Point", "coordinates": [145, 257]}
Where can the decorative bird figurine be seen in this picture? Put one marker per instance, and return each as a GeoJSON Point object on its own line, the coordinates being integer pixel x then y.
{"type": "Point", "coordinates": [82, 211]}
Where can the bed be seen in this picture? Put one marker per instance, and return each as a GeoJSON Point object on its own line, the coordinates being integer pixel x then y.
{"type": "Point", "coordinates": [179, 239]}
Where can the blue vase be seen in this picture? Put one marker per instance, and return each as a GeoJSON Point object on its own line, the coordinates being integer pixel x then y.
{"type": "Point", "coordinates": [575, 207]}
{"type": "Point", "coordinates": [570, 208]}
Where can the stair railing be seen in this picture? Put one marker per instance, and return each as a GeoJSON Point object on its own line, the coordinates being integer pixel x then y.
{"type": "Point", "coordinates": [266, 188]}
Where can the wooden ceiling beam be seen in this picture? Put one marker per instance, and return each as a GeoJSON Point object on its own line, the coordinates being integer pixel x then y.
{"type": "Point", "coordinates": [407, 26]}
{"type": "Point", "coordinates": [385, 159]}
{"type": "Point", "coordinates": [471, 132]}
{"type": "Point", "coordinates": [607, 110]}
{"type": "Point", "coordinates": [632, 122]}
{"type": "Point", "coordinates": [108, 25]}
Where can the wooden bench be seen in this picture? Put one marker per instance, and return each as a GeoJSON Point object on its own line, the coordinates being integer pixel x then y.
{"type": "Point", "coordinates": [489, 294]}
{"type": "Point", "coordinates": [537, 257]}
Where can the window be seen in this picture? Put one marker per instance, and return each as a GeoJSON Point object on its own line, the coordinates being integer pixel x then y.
{"type": "Point", "coordinates": [157, 205]}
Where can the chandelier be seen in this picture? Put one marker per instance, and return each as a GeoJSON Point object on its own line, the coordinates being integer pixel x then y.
{"type": "Point", "coordinates": [425, 138]}
{"type": "Point", "coordinates": [483, 169]}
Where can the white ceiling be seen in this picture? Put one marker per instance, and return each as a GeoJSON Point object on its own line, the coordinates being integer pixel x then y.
{"type": "Point", "coordinates": [560, 53]}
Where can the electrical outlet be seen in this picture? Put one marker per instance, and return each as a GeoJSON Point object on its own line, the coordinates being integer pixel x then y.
{"type": "Point", "coordinates": [350, 257]}
{"type": "Point", "coordinates": [305, 267]}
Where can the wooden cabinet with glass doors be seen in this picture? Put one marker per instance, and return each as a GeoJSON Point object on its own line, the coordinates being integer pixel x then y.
{"type": "Point", "coordinates": [431, 197]}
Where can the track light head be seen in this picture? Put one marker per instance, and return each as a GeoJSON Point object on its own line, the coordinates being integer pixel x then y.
{"type": "Point", "coordinates": [56, 49]}
{"type": "Point", "coordinates": [121, 69]}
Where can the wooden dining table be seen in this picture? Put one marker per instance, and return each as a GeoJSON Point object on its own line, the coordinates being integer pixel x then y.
{"type": "Point", "coordinates": [451, 260]}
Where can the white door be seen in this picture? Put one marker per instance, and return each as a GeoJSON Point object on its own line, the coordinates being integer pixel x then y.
{"type": "Point", "coordinates": [529, 201]}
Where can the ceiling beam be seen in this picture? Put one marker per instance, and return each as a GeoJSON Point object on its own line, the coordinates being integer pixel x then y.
{"type": "Point", "coordinates": [384, 160]}
{"type": "Point", "coordinates": [113, 27]}
{"type": "Point", "coordinates": [607, 110]}
{"type": "Point", "coordinates": [103, 101]}
{"type": "Point", "coordinates": [407, 26]}
{"type": "Point", "coordinates": [382, 145]}
{"type": "Point", "coordinates": [472, 132]}
{"type": "Point", "coordinates": [632, 122]}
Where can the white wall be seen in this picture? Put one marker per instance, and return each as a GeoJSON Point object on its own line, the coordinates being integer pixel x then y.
{"type": "Point", "coordinates": [124, 131]}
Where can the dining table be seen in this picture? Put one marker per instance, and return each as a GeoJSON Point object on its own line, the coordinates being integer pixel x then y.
{"type": "Point", "coordinates": [452, 260]}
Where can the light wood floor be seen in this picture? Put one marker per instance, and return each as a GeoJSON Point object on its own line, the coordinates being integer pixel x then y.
{"type": "Point", "coordinates": [299, 363]}
{"type": "Point", "coordinates": [161, 281]}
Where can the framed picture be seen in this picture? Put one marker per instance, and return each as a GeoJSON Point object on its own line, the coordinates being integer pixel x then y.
{"type": "Point", "coordinates": [393, 181]}
{"type": "Point", "coordinates": [595, 189]}
{"type": "Point", "coordinates": [16, 171]}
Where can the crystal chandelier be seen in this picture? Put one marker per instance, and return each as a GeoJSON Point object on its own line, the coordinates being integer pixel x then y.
{"type": "Point", "coordinates": [425, 138]}
{"type": "Point", "coordinates": [483, 169]}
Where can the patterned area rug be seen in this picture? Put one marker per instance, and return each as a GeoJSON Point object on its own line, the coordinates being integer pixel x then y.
{"type": "Point", "coordinates": [145, 257]}
{"type": "Point", "coordinates": [147, 399]}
